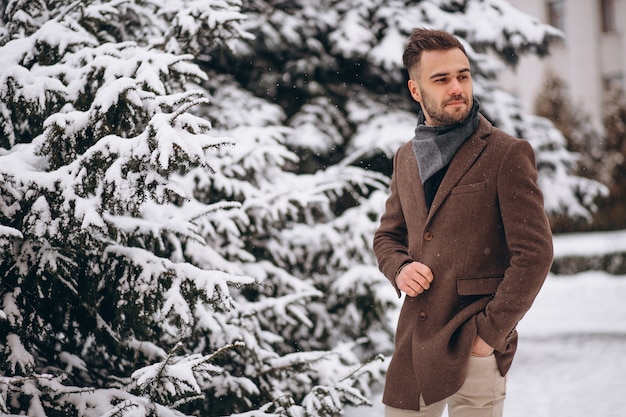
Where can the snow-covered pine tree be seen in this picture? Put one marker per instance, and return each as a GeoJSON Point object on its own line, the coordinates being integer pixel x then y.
{"type": "Point", "coordinates": [613, 208]}
{"type": "Point", "coordinates": [131, 283]}
{"type": "Point", "coordinates": [556, 104]}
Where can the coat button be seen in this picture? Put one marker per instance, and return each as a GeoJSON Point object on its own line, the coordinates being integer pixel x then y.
{"type": "Point", "coordinates": [428, 236]}
{"type": "Point", "coordinates": [423, 316]}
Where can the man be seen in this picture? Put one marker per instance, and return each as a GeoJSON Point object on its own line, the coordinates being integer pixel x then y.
{"type": "Point", "coordinates": [465, 236]}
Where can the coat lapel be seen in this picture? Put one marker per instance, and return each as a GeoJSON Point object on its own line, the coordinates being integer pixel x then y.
{"type": "Point", "coordinates": [418, 197]}
{"type": "Point", "coordinates": [462, 161]}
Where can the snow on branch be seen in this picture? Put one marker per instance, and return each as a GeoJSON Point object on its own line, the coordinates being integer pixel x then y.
{"type": "Point", "coordinates": [290, 308]}
{"type": "Point", "coordinates": [195, 23]}
{"type": "Point", "coordinates": [175, 378]}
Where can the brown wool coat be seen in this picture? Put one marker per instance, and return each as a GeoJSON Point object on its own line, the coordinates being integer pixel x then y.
{"type": "Point", "coordinates": [489, 245]}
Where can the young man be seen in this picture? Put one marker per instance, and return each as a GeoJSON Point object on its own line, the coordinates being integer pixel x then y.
{"type": "Point", "coordinates": [465, 236]}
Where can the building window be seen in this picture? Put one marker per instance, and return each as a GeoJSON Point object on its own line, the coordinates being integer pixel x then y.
{"type": "Point", "coordinates": [556, 14]}
{"type": "Point", "coordinates": [607, 15]}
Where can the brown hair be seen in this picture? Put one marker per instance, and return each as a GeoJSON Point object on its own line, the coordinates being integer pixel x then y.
{"type": "Point", "coordinates": [427, 40]}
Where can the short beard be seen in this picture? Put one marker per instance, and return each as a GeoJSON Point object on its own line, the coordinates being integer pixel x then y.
{"type": "Point", "coordinates": [439, 116]}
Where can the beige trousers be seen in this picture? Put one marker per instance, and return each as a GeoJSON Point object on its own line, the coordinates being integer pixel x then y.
{"type": "Point", "coordinates": [482, 394]}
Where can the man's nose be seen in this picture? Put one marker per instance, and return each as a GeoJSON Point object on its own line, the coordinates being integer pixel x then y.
{"type": "Point", "coordinates": [455, 88]}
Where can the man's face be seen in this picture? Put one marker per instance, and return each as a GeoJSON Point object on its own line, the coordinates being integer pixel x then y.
{"type": "Point", "coordinates": [443, 86]}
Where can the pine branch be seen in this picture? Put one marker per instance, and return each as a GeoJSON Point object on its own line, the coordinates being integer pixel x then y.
{"type": "Point", "coordinates": [185, 108]}
{"type": "Point", "coordinates": [357, 372]}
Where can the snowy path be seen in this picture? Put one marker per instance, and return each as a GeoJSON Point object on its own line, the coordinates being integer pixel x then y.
{"type": "Point", "coordinates": [571, 359]}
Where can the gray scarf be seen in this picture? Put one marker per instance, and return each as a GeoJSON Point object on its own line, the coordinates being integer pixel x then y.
{"type": "Point", "coordinates": [434, 146]}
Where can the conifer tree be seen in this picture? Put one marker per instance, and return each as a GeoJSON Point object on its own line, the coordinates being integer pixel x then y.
{"type": "Point", "coordinates": [581, 138]}
{"type": "Point", "coordinates": [611, 213]}
{"type": "Point", "coordinates": [130, 278]}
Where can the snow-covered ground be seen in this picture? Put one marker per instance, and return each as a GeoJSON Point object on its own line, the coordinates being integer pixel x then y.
{"type": "Point", "coordinates": [571, 359]}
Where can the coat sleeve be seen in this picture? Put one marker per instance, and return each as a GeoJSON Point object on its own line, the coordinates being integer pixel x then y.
{"type": "Point", "coordinates": [529, 240]}
{"type": "Point", "coordinates": [390, 239]}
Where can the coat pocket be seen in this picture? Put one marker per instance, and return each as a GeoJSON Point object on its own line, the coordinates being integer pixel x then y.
{"type": "Point", "coordinates": [478, 285]}
{"type": "Point", "coordinates": [468, 188]}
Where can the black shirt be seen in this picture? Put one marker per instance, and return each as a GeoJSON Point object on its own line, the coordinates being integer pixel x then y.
{"type": "Point", "coordinates": [432, 185]}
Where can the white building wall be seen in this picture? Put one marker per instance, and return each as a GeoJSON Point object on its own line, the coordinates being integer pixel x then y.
{"type": "Point", "coordinates": [584, 60]}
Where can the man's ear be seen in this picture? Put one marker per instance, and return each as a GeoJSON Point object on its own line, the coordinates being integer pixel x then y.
{"type": "Point", "coordinates": [415, 91]}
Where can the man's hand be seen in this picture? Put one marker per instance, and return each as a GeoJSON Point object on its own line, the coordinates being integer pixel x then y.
{"type": "Point", "coordinates": [481, 348]}
{"type": "Point", "coordinates": [414, 279]}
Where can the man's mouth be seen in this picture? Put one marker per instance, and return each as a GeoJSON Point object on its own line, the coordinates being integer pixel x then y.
{"type": "Point", "coordinates": [456, 102]}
